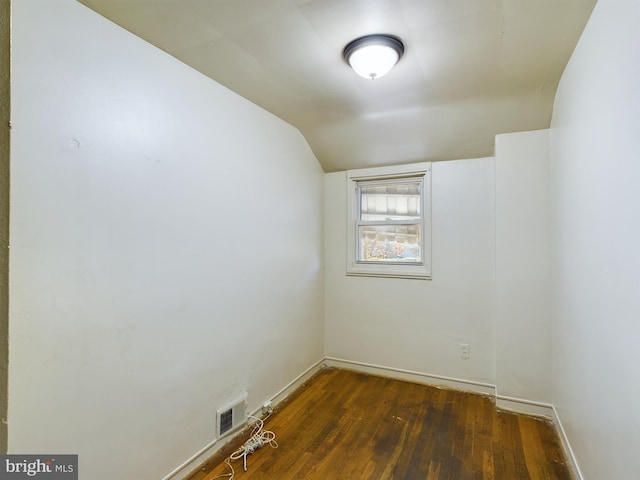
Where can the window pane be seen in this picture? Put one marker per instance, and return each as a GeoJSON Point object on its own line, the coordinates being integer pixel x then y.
{"type": "Point", "coordinates": [397, 201]}
{"type": "Point", "coordinates": [389, 243]}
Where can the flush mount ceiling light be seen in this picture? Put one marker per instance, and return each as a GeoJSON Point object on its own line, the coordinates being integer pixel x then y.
{"type": "Point", "coordinates": [372, 56]}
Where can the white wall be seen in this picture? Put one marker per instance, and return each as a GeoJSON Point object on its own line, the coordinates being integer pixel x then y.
{"type": "Point", "coordinates": [166, 247]}
{"type": "Point", "coordinates": [418, 325]}
{"type": "Point", "coordinates": [595, 147]}
{"type": "Point", "coordinates": [523, 270]}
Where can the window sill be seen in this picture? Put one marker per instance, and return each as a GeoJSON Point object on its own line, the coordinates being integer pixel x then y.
{"type": "Point", "coordinates": [389, 273]}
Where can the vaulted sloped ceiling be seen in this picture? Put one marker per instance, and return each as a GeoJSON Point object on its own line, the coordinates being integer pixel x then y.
{"type": "Point", "coordinates": [472, 68]}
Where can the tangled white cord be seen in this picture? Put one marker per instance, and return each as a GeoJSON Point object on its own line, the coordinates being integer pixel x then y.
{"type": "Point", "coordinates": [257, 439]}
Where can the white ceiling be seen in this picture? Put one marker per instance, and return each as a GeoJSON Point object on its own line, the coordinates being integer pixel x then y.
{"type": "Point", "coordinates": [471, 69]}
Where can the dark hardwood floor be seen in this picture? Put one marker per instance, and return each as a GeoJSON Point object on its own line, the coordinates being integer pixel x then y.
{"type": "Point", "coordinates": [348, 425]}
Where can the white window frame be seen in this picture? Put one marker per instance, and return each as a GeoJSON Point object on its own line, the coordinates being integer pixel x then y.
{"type": "Point", "coordinates": [393, 270]}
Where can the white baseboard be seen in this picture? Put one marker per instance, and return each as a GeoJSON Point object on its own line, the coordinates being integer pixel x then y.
{"type": "Point", "coordinates": [519, 405]}
{"type": "Point", "coordinates": [549, 411]}
{"type": "Point", "coordinates": [528, 407]}
{"type": "Point", "coordinates": [568, 451]}
{"type": "Point", "coordinates": [293, 385]}
{"type": "Point", "coordinates": [189, 467]}
{"type": "Point", "coordinates": [412, 376]}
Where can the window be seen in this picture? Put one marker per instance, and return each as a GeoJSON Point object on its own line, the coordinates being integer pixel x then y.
{"type": "Point", "coordinates": [389, 221]}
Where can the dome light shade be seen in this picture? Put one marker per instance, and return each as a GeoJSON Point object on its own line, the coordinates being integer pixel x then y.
{"type": "Point", "coordinates": [373, 56]}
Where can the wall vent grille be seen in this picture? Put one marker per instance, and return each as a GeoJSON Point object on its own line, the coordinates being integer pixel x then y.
{"type": "Point", "coordinates": [232, 416]}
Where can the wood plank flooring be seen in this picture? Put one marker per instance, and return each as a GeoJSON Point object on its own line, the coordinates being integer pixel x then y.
{"type": "Point", "coordinates": [348, 425]}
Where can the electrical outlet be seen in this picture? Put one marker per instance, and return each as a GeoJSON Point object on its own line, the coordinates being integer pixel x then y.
{"type": "Point", "coordinates": [465, 351]}
{"type": "Point", "coordinates": [267, 407]}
